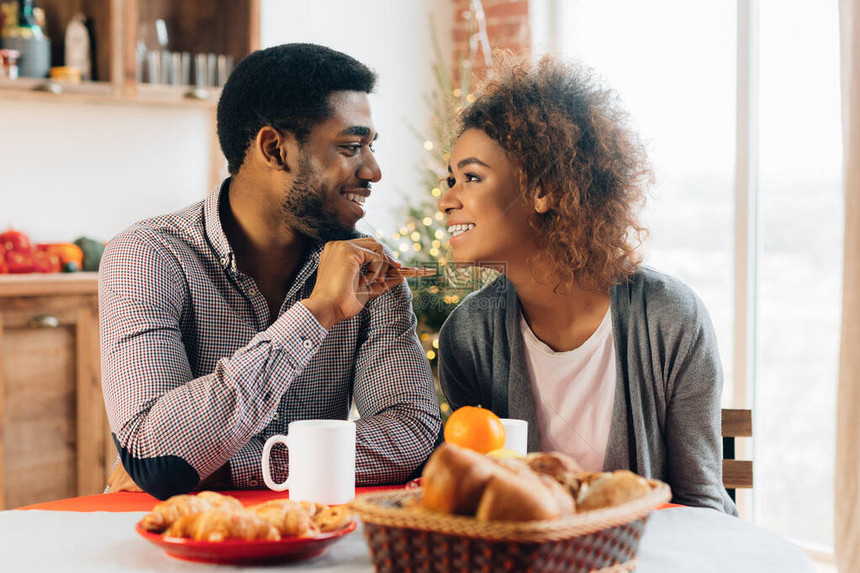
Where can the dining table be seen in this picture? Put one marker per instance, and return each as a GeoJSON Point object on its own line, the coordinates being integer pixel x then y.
{"type": "Point", "coordinates": [97, 534]}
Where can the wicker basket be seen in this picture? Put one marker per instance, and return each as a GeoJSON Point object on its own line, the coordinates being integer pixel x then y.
{"type": "Point", "coordinates": [412, 539]}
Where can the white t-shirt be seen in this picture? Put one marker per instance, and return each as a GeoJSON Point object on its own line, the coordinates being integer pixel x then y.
{"type": "Point", "coordinates": [574, 392]}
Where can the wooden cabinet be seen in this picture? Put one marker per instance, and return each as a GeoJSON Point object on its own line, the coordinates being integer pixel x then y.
{"type": "Point", "coordinates": [229, 27]}
{"type": "Point", "coordinates": [54, 437]}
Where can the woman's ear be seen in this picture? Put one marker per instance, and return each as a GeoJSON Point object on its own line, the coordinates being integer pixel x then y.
{"type": "Point", "coordinates": [541, 200]}
{"type": "Point", "coordinates": [277, 149]}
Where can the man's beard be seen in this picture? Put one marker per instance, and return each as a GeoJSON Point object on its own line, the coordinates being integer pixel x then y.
{"type": "Point", "coordinates": [304, 207]}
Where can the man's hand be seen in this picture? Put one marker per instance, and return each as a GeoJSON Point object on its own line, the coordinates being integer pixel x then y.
{"type": "Point", "coordinates": [341, 291]}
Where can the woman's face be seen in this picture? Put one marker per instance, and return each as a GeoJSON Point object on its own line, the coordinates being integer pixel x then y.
{"type": "Point", "coordinates": [488, 218]}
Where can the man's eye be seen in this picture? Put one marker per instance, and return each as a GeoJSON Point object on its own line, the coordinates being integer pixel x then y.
{"type": "Point", "coordinates": [352, 147]}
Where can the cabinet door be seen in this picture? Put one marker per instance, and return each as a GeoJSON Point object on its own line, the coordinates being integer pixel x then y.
{"type": "Point", "coordinates": [52, 432]}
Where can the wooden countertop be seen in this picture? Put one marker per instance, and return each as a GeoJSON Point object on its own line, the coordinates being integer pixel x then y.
{"type": "Point", "coordinates": [37, 284]}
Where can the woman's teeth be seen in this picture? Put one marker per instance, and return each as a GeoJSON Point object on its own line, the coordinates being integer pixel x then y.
{"type": "Point", "coordinates": [360, 199]}
{"type": "Point", "coordinates": [455, 230]}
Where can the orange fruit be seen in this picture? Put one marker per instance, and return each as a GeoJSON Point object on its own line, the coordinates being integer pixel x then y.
{"type": "Point", "coordinates": [475, 428]}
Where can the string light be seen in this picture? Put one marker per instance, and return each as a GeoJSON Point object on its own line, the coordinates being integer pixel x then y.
{"type": "Point", "coordinates": [428, 145]}
{"type": "Point", "coordinates": [439, 233]}
{"type": "Point", "coordinates": [439, 216]}
{"type": "Point", "coordinates": [434, 252]}
{"type": "Point", "coordinates": [457, 92]}
{"type": "Point", "coordinates": [395, 236]}
{"type": "Point", "coordinates": [404, 230]}
{"type": "Point", "coordinates": [411, 226]}
{"type": "Point", "coordinates": [431, 355]}
{"type": "Point", "coordinates": [415, 236]}
{"type": "Point", "coordinates": [427, 221]}
{"type": "Point", "coordinates": [436, 192]}
{"type": "Point", "coordinates": [435, 343]}
{"type": "Point", "coordinates": [416, 247]}
{"type": "Point", "coordinates": [404, 247]}
{"type": "Point", "coordinates": [436, 243]}
{"type": "Point", "coordinates": [425, 336]}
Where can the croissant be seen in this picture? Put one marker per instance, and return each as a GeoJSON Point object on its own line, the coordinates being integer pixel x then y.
{"type": "Point", "coordinates": [288, 517]}
{"type": "Point", "coordinates": [166, 512]}
{"type": "Point", "coordinates": [221, 501]}
{"type": "Point", "coordinates": [312, 507]}
{"type": "Point", "coordinates": [332, 518]}
{"type": "Point", "coordinates": [218, 525]}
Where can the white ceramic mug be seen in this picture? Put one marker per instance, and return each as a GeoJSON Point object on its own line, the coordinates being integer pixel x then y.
{"type": "Point", "coordinates": [322, 461]}
{"type": "Point", "coordinates": [516, 435]}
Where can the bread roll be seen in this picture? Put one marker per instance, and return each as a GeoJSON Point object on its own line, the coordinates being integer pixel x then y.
{"type": "Point", "coordinates": [553, 464]}
{"type": "Point", "coordinates": [513, 496]}
{"type": "Point", "coordinates": [454, 479]}
{"type": "Point", "coordinates": [612, 489]}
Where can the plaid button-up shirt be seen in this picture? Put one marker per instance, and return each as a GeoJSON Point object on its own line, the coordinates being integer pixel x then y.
{"type": "Point", "coordinates": [193, 369]}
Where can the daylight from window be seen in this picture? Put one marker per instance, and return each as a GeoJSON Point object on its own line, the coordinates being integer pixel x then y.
{"type": "Point", "coordinates": [674, 65]}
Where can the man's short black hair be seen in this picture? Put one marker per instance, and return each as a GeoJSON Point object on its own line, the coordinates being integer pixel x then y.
{"type": "Point", "coordinates": [287, 87]}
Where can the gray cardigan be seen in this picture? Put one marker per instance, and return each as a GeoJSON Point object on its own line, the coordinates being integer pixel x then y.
{"type": "Point", "coordinates": [666, 415]}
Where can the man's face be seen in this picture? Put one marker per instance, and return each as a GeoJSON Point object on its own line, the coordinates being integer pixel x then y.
{"type": "Point", "coordinates": [336, 168]}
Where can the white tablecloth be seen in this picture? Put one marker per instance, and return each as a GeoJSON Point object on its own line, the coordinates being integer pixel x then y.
{"type": "Point", "coordinates": [676, 540]}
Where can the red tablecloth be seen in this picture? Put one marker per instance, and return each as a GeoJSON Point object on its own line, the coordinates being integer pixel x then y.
{"type": "Point", "coordinates": [130, 501]}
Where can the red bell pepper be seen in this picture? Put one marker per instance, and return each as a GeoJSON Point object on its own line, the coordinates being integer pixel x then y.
{"type": "Point", "coordinates": [18, 262]}
{"type": "Point", "coordinates": [46, 262]}
{"type": "Point", "coordinates": [15, 241]}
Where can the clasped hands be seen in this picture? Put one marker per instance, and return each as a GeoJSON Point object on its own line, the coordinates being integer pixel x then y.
{"type": "Point", "coordinates": [342, 289]}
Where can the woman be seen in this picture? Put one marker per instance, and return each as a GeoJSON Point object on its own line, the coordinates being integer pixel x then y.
{"type": "Point", "coordinates": [613, 363]}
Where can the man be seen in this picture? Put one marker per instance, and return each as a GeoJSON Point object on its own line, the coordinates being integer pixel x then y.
{"type": "Point", "coordinates": [223, 322]}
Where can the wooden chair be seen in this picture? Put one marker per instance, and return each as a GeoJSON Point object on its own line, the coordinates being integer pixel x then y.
{"type": "Point", "coordinates": [736, 473]}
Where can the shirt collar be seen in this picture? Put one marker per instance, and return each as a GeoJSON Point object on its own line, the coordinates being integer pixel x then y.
{"type": "Point", "coordinates": [214, 229]}
{"type": "Point", "coordinates": [221, 246]}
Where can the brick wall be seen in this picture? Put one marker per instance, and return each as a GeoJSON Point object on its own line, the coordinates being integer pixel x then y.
{"type": "Point", "coordinates": [507, 28]}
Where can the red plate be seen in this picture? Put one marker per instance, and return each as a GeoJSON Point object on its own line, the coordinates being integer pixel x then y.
{"type": "Point", "coordinates": [236, 551]}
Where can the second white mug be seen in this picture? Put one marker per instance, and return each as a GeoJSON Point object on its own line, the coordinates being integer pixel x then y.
{"type": "Point", "coordinates": [516, 435]}
{"type": "Point", "coordinates": [322, 461]}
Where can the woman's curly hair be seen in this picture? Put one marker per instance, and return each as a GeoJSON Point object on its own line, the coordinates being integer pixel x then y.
{"type": "Point", "coordinates": [571, 141]}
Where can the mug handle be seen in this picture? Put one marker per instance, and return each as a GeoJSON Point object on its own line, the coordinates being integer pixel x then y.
{"type": "Point", "coordinates": [267, 475]}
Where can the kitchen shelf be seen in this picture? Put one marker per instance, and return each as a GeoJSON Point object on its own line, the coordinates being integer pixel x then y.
{"type": "Point", "coordinates": [228, 27]}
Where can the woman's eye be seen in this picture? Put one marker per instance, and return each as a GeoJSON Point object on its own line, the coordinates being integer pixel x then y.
{"type": "Point", "coordinates": [450, 182]}
{"type": "Point", "coordinates": [470, 177]}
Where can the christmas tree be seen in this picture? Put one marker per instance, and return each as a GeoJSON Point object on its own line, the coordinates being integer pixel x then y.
{"type": "Point", "coordinates": [423, 238]}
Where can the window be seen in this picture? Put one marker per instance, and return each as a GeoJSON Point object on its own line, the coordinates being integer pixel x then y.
{"type": "Point", "coordinates": [675, 66]}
